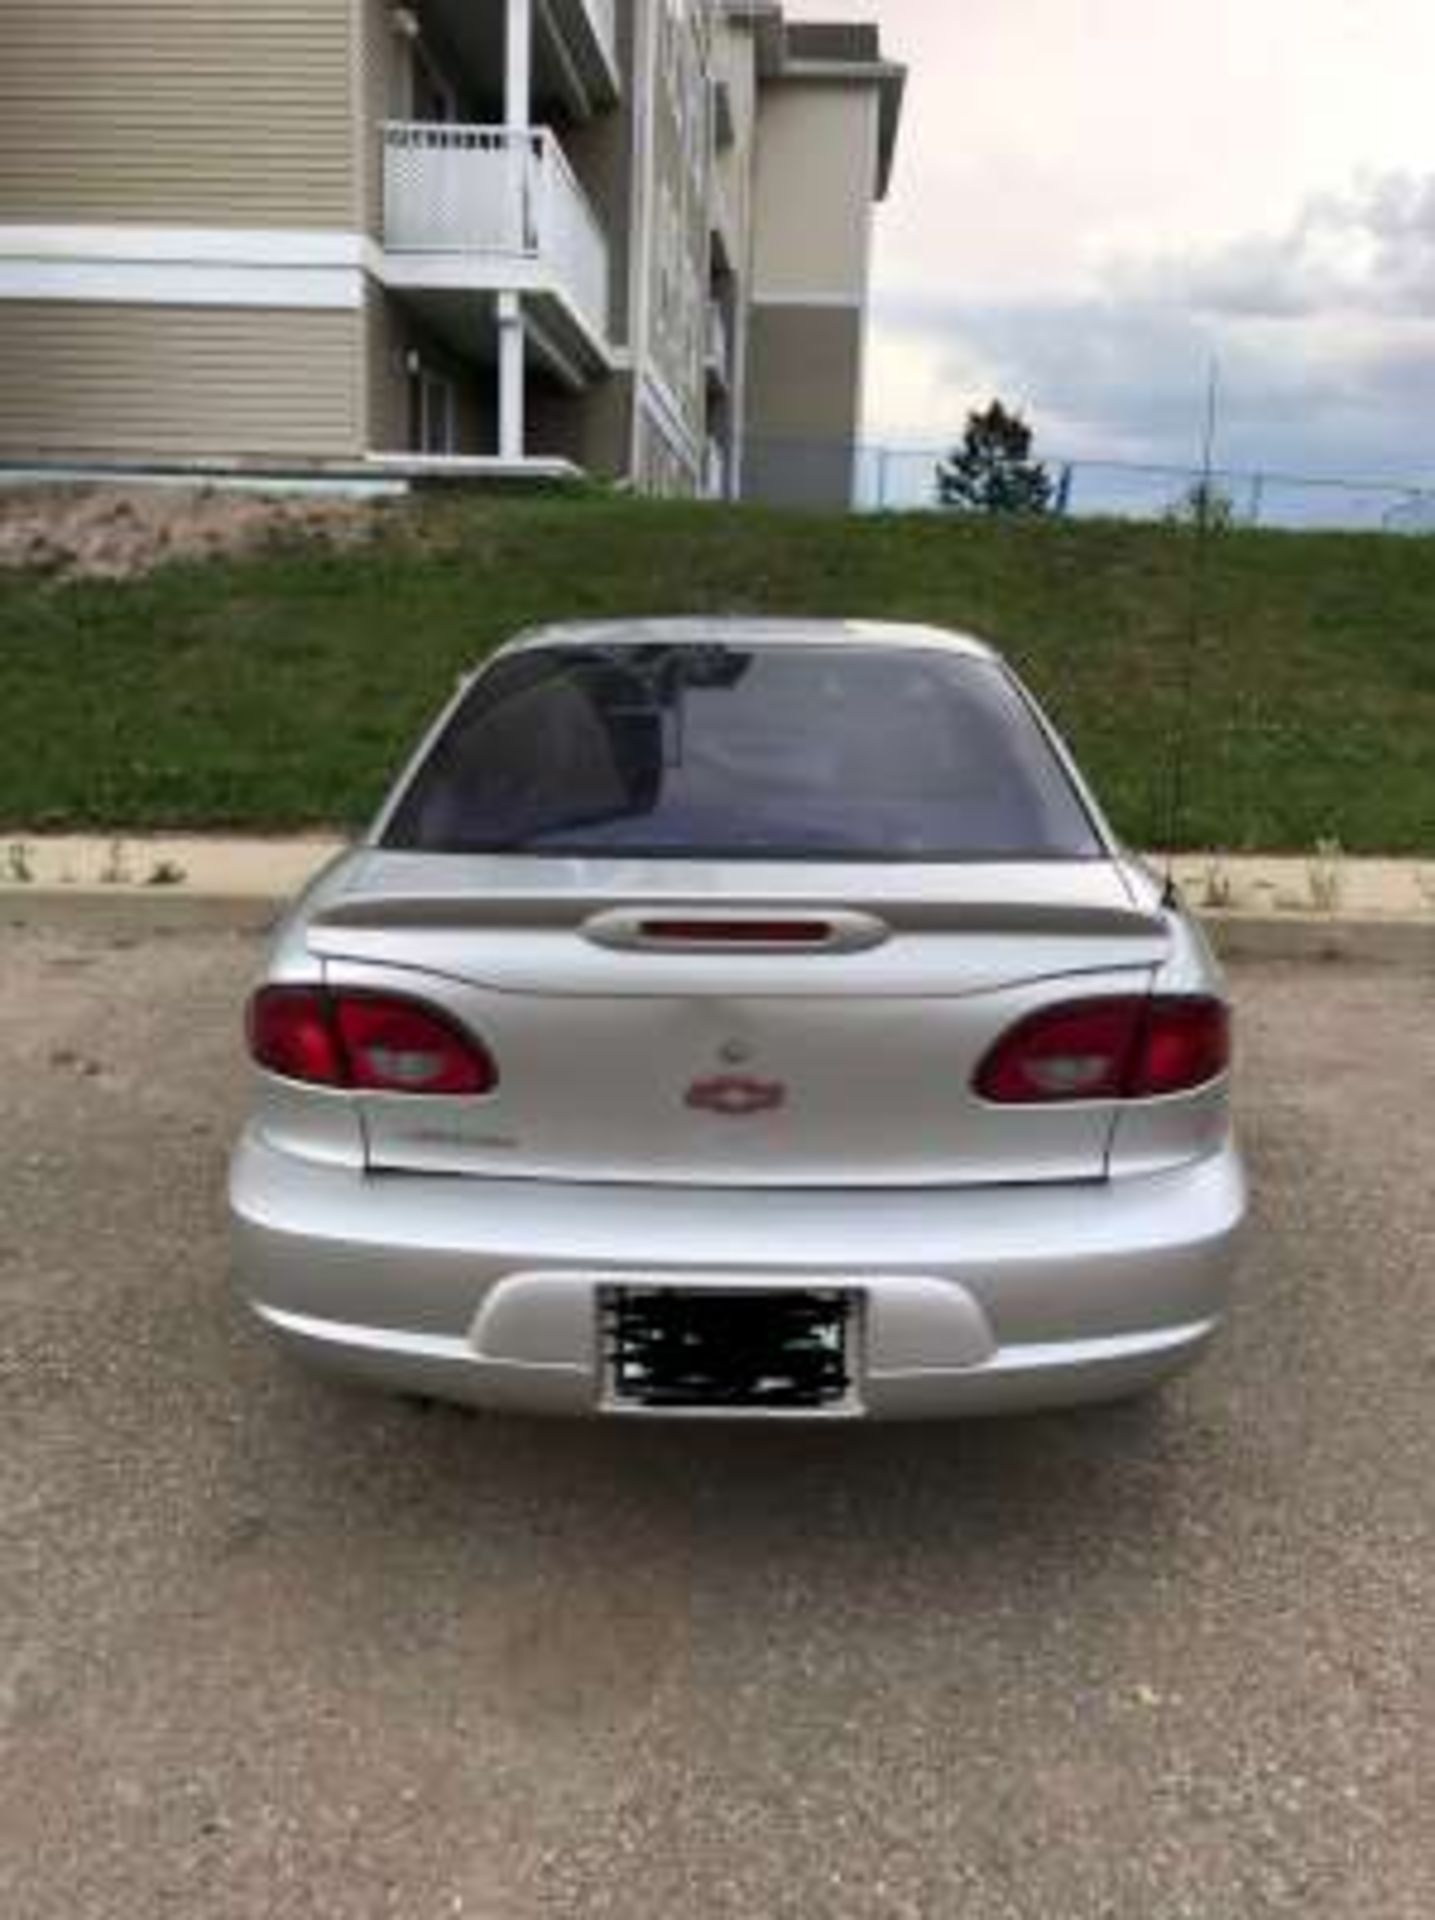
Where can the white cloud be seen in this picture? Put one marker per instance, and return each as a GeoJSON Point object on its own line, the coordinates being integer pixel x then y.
{"type": "Point", "coordinates": [1370, 250]}
{"type": "Point", "coordinates": [1092, 200]}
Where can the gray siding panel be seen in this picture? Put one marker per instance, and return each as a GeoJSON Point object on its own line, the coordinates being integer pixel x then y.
{"type": "Point", "coordinates": [592, 429]}
{"type": "Point", "coordinates": [191, 112]}
{"type": "Point", "coordinates": [803, 394]}
{"type": "Point", "coordinates": [187, 382]}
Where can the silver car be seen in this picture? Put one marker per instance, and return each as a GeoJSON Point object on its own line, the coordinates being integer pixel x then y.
{"type": "Point", "coordinates": [740, 1019]}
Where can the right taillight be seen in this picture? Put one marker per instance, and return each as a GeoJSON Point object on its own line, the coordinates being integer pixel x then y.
{"type": "Point", "coordinates": [1119, 1047]}
{"type": "Point", "coordinates": [1186, 1041]}
{"type": "Point", "coordinates": [372, 1042]}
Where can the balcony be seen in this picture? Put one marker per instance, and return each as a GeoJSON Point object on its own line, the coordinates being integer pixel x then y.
{"type": "Point", "coordinates": [493, 209]}
{"type": "Point", "coordinates": [575, 49]}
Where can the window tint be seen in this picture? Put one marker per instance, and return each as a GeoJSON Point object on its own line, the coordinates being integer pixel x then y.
{"type": "Point", "coordinates": [804, 752]}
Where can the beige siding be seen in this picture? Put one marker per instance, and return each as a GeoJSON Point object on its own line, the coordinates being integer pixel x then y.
{"type": "Point", "coordinates": [191, 112]}
{"type": "Point", "coordinates": [387, 392]}
{"type": "Point", "coordinates": [139, 382]}
{"type": "Point", "coordinates": [592, 429]}
{"type": "Point", "coordinates": [382, 96]}
{"type": "Point", "coordinates": [816, 164]}
{"type": "Point", "coordinates": [387, 386]}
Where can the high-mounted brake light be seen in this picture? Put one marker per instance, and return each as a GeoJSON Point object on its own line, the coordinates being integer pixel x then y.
{"type": "Point", "coordinates": [738, 933]}
{"type": "Point", "coordinates": [1122, 1047]}
{"type": "Point", "coordinates": [372, 1042]}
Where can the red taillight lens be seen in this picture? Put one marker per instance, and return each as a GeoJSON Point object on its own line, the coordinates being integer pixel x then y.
{"type": "Point", "coordinates": [291, 1032]}
{"type": "Point", "coordinates": [371, 1041]}
{"type": "Point", "coordinates": [1125, 1047]}
{"type": "Point", "coordinates": [395, 1046]}
{"type": "Point", "coordinates": [739, 933]}
{"type": "Point", "coordinates": [1187, 1042]}
{"type": "Point", "coordinates": [1080, 1051]}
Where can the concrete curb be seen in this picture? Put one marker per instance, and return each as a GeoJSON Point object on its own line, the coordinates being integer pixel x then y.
{"type": "Point", "coordinates": [1289, 936]}
{"type": "Point", "coordinates": [137, 912]}
{"type": "Point", "coordinates": [140, 912]}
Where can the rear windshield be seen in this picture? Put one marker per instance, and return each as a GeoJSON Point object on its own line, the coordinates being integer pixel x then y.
{"type": "Point", "coordinates": [730, 752]}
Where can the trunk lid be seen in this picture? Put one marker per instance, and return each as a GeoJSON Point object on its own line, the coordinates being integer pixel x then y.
{"type": "Point", "coordinates": [847, 1061]}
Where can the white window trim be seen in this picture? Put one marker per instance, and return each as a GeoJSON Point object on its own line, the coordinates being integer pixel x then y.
{"type": "Point", "coordinates": [214, 246]}
{"type": "Point", "coordinates": [188, 266]}
{"type": "Point", "coordinates": [144, 284]}
{"type": "Point", "coordinates": [853, 302]}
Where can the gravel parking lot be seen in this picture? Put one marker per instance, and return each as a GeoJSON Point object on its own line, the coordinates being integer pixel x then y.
{"type": "Point", "coordinates": [269, 1647]}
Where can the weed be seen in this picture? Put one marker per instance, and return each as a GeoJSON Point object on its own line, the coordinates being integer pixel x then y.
{"type": "Point", "coordinates": [116, 870]}
{"type": "Point", "coordinates": [1218, 888]}
{"type": "Point", "coordinates": [1324, 876]}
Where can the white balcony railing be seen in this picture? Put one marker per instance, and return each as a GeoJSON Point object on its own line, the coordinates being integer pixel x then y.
{"type": "Point", "coordinates": [496, 193]}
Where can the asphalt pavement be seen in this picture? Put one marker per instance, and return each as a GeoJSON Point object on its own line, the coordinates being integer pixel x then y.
{"type": "Point", "coordinates": [271, 1648]}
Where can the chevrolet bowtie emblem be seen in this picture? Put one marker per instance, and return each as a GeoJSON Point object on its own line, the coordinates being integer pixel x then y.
{"type": "Point", "coordinates": [736, 1095]}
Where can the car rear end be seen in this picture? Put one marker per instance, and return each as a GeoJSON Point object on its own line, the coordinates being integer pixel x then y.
{"type": "Point", "coordinates": [757, 1026]}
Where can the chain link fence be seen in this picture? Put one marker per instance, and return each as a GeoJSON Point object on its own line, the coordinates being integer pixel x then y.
{"type": "Point", "coordinates": [875, 478]}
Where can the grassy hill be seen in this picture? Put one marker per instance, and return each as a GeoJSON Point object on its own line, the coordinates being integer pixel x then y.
{"type": "Point", "coordinates": [280, 690]}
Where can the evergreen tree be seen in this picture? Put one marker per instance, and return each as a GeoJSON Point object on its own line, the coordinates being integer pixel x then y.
{"type": "Point", "coordinates": [993, 471]}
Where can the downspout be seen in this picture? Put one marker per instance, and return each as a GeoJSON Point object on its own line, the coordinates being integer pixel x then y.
{"type": "Point", "coordinates": [640, 253]}
{"type": "Point", "coordinates": [517, 112]}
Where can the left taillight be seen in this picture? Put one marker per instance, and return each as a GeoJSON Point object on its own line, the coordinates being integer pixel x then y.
{"type": "Point", "coordinates": [370, 1042]}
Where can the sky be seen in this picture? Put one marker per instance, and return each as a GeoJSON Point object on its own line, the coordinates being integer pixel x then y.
{"type": "Point", "coordinates": [1095, 198]}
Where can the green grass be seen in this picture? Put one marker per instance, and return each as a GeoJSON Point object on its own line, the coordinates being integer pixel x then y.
{"type": "Point", "coordinates": [282, 690]}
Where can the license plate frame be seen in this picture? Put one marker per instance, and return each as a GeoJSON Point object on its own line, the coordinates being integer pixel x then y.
{"type": "Point", "coordinates": [778, 1351]}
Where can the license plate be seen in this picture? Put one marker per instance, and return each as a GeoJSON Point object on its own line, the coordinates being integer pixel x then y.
{"type": "Point", "coordinates": [692, 1348]}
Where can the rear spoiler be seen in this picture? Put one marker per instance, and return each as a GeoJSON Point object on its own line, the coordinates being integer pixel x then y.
{"type": "Point", "coordinates": [499, 912]}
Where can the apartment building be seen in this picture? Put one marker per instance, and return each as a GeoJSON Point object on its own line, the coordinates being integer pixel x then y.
{"type": "Point", "coordinates": [626, 237]}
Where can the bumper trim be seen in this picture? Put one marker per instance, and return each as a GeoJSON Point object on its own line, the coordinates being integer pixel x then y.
{"type": "Point", "coordinates": [1018, 1376]}
{"type": "Point", "coordinates": [1046, 1355]}
{"type": "Point", "coordinates": [339, 1333]}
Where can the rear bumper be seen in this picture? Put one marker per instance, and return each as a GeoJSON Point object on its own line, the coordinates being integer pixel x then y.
{"type": "Point", "coordinates": [975, 1302]}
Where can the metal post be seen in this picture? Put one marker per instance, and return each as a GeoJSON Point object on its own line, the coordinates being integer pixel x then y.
{"type": "Point", "coordinates": [511, 425]}
{"type": "Point", "coordinates": [517, 117]}
{"type": "Point", "coordinates": [518, 65]}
